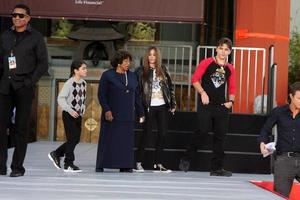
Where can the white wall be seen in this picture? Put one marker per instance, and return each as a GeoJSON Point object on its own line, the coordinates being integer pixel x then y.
{"type": "Point", "coordinates": [295, 16]}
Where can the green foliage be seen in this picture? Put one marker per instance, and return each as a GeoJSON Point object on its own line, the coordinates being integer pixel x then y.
{"type": "Point", "coordinates": [63, 28]}
{"type": "Point", "coordinates": [142, 31]}
{"type": "Point", "coordinates": [294, 58]}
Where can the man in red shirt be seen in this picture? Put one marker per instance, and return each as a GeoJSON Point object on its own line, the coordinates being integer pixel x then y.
{"type": "Point", "coordinates": [210, 80]}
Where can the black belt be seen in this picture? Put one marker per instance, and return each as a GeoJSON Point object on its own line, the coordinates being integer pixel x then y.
{"type": "Point", "coordinates": [290, 154]}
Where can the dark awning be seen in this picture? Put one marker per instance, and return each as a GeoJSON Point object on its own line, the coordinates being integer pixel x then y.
{"type": "Point", "coordinates": [115, 10]}
{"type": "Point", "coordinates": [95, 34]}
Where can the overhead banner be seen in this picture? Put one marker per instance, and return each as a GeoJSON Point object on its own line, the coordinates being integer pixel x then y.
{"type": "Point", "coordinates": [115, 10]}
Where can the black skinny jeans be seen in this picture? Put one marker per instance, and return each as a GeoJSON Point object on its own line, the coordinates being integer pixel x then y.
{"type": "Point", "coordinates": [217, 117]}
{"type": "Point", "coordinates": [158, 114]}
{"type": "Point", "coordinates": [73, 131]}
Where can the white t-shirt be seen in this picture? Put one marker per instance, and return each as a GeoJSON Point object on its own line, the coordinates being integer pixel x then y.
{"type": "Point", "coordinates": [157, 98]}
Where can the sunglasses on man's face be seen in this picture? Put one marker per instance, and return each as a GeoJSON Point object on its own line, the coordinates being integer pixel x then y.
{"type": "Point", "coordinates": [21, 15]}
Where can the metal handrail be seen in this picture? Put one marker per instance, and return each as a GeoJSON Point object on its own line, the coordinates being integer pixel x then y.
{"type": "Point", "coordinates": [272, 80]}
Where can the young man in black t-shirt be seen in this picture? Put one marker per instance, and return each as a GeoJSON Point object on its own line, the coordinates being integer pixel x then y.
{"type": "Point", "coordinates": [209, 80]}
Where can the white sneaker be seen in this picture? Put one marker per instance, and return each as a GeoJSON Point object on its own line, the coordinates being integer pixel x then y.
{"type": "Point", "coordinates": [139, 168]}
{"type": "Point", "coordinates": [161, 168]}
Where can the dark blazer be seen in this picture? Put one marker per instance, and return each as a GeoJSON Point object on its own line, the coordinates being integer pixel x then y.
{"type": "Point", "coordinates": [30, 51]}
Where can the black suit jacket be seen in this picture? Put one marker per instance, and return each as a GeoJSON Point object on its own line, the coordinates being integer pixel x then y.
{"type": "Point", "coordinates": [30, 51]}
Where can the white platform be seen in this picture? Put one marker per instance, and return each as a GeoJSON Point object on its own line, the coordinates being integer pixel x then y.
{"type": "Point", "coordinates": [43, 181]}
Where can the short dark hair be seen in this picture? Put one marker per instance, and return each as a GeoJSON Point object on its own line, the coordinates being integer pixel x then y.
{"type": "Point", "coordinates": [76, 64]}
{"type": "Point", "coordinates": [119, 57]}
{"type": "Point", "coordinates": [23, 6]}
{"type": "Point", "coordinates": [294, 88]}
{"type": "Point", "coordinates": [225, 40]}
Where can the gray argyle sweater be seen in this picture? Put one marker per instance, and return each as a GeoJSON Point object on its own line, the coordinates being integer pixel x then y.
{"type": "Point", "coordinates": [72, 96]}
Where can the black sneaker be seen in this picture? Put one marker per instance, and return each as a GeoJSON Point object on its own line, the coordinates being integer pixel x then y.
{"type": "Point", "coordinates": [184, 164]}
{"type": "Point", "coordinates": [99, 170]}
{"type": "Point", "coordinates": [3, 173]}
{"type": "Point", "coordinates": [221, 172]}
{"type": "Point", "coordinates": [16, 174]}
{"type": "Point", "coordinates": [71, 168]}
{"type": "Point", "coordinates": [55, 159]}
{"type": "Point", "coordinates": [126, 170]}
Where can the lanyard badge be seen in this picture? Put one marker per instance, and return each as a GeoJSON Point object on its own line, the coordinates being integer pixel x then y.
{"type": "Point", "coordinates": [12, 62]}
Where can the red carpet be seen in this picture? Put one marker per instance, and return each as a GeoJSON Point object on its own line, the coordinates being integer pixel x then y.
{"type": "Point", "coordinates": [268, 185]}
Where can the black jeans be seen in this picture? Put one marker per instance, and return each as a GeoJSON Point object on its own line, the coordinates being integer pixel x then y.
{"type": "Point", "coordinates": [286, 169]}
{"type": "Point", "coordinates": [21, 99]}
{"type": "Point", "coordinates": [158, 114]}
{"type": "Point", "coordinates": [73, 131]}
{"type": "Point", "coordinates": [216, 117]}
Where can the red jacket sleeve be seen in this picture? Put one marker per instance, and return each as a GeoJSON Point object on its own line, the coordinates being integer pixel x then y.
{"type": "Point", "coordinates": [200, 70]}
{"type": "Point", "coordinates": [231, 80]}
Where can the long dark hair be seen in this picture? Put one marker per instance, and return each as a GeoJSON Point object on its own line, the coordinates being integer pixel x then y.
{"type": "Point", "coordinates": [159, 70]}
{"type": "Point", "coordinates": [76, 64]}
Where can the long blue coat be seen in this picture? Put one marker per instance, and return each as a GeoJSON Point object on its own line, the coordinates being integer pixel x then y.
{"type": "Point", "coordinates": [115, 147]}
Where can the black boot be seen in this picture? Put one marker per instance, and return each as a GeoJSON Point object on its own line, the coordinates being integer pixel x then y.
{"type": "Point", "coordinates": [126, 170]}
{"type": "Point", "coordinates": [184, 164]}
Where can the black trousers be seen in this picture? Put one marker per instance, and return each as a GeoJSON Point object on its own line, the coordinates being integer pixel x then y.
{"type": "Point", "coordinates": [158, 115]}
{"type": "Point", "coordinates": [286, 169]}
{"type": "Point", "coordinates": [217, 118]}
{"type": "Point", "coordinates": [21, 99]}
{"type": "Point", "coordinates": [73, 131]}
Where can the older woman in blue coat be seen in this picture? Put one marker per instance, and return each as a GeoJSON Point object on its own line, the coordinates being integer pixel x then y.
{"type": "Point", "coordinates": [119, 98]}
